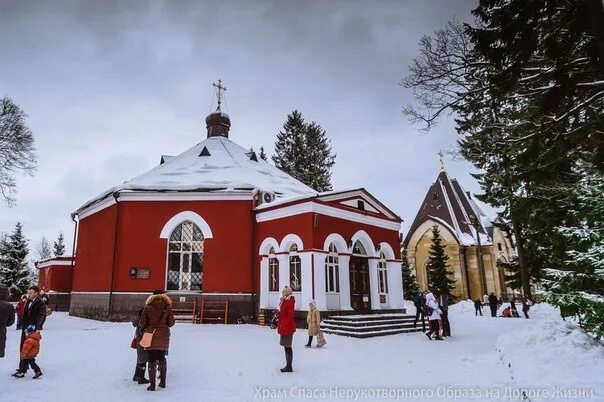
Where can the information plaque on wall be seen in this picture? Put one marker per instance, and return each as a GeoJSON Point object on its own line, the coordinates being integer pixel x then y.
{"type": "Point", "coordinates": [143, 273]}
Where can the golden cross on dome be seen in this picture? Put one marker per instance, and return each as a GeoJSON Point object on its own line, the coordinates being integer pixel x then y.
{"type": "Point", "coordinates": [442, 163]}
{"type": "Point", "coordinates": [219, 88]}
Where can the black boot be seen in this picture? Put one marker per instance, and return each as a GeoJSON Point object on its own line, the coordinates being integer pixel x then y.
{"type": "Point", "coordinates": [163, 370]}
{"type": "Point", "coordinates": [152, 376]}
{"type": "Point", "coordinates": [309, 344]}
{"type": "Point", "coordinates": [289, 357]}
{"type": "Point", "coordinates": [141, 377]}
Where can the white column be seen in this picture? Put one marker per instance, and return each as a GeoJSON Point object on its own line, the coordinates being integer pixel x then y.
{"type": "Point", "coordinates": [395, 285]}
{"type": "Point", "coordinates": [373, 284]}
{"type": "Point", "coordinates": [320, 295]}
{"type": "Point", "coordinates": [306, 260]}
{"type": "Point", "coordinates": [344, 261]}
{"type": "Point", "coordinates": [283, 271]}
{"type": "Point", "coordinates": [264, 302]}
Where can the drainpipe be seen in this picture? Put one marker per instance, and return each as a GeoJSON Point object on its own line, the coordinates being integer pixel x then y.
{"type": "Point", "coordinates": [253, 261]}
{"type": "Point", "coordinates": [117, 215]}
{"type": "Point", "coordinates": [73, 250]}
{"type": "Point", "coordinates": [465, 267]}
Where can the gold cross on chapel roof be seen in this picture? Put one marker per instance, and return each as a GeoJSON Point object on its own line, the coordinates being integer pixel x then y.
{"type": "Point", "coordinates": [219, 88]}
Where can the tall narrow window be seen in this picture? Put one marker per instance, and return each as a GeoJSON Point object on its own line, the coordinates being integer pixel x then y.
{"type": "Point", "coordinates": [382, 275]}
{"type": "Point", "coordinates": [273, 271]}
{"type": "Point", "coordinates": [185, 257]}
{"type": "Point", "coordinates": [332, 271]}
{"type": "Point", "coordinates": [295, 269]}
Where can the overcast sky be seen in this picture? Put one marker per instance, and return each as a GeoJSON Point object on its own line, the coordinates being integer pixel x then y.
{"type": "Point", "coordinates": [111, 85]}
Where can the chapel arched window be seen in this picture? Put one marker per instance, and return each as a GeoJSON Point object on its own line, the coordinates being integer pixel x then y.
{"type": "Point", "coordinates": [295, 269]}
{"type": "Point", "coordinates": [382, 274]}
{"type": "Point", "coordinates": [332, 270]}
{"type": "Point", "coordinates": [185, 257]}
{"type": "Point", "coordinates": [273, 271]}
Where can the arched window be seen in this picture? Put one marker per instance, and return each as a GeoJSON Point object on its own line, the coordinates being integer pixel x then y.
{"type": "Point", "coordinates": [332, 271]}
{"type": "Point", "coordinates": [273, 271]}
{"type": "Point", "coordinates": [185, 257]}
{"type": "Point", "coordinates": [382, 275]}
{"type": "Point", "coordinates": [295, 269]}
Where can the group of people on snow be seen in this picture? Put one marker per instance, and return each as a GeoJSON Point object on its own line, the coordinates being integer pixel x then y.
{"type": "Point", "coordinates": [287, 326]}
{"type": "Point", "coordinates": [31, 316]}
{"type": "Point", "coordinates": [152, 339]}
{"type": "Point", "coordinates": [433, 305]}
{"type": "Point", "coordinates": [495, 304]}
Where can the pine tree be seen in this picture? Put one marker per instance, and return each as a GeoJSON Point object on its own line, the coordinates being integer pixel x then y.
{"type": "Point", "coordinates": [438, 275]}
{"type": "Point", "coordinates": [578, 287]}
{"type": "Point", "coordinates": [14, 269]}
{"type": "Point", "coordinates": [262, 154]}
{"type": "Point", "coordinates": [59, 246]}
{"type": "Point", "coordinates": [304, 151]}
{"type": "Point", "coordinates": [410, 285]}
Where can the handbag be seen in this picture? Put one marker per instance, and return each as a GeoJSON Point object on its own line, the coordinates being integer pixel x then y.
{"type": "Point", "coordinates": [133, 343]}
{"type": "Point", "coordinates": [321, 339]}
{"type": "Point", "coordinates": [147, 338]}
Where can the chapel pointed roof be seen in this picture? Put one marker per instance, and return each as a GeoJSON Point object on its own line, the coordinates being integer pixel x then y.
{"type": "Point", "coordinates": [448, 203]}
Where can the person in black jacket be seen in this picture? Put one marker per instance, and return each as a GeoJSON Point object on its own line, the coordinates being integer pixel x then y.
{"type": "Point", "coordinates": [34, 313]}
{"type": "Point", "coordinates": [478, 307]}
{"type": "Point", "coordinates": [419, 301]}
{"type": "Point", "coordinates": [7, 317]}
{"type": "Point", "coordinates": [443, 300]}
{"type": "Point", "coordinates": [493, 304]}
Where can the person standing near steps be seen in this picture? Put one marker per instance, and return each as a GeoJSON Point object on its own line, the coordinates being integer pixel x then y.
{"type": "Point", "coordinates": [287, 326]}
{"type": "Point", "coordinates": [313, 321]}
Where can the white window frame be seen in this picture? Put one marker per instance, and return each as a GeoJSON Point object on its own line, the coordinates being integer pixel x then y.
{"type": "Point", "coordinates": [382, 275]}
{"type": "Point", "coordinates": [332, 271]}
{"type": "Point", "coordinates": [295, 261]}
{"type": "Point", "coordinates": [185, 277]}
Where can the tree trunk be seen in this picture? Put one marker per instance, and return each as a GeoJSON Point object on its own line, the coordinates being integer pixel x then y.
{"type": "Point", "coordinates": [522, 265]}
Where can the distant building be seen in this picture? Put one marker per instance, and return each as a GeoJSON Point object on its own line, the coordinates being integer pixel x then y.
{"type": "Point", "coordinates": [460, 221]}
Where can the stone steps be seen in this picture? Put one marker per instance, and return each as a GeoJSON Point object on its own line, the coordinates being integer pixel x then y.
{"type": "Point", "coordinates": [369, 325]}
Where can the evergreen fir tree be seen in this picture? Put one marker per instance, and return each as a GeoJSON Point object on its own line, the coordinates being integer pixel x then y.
{"type": "Point", "coordinates": [262, 154]}
{"type": "Point", "coordinates": [59, 246]}
{"type": "Point", "coordinates": [304, 151]}
{"type": "Point", "coordinates": [14, 269]}
{"type": "Point", "coordinates": [438, 275]}
{"type": "Point", "coordinates": [410, 285]}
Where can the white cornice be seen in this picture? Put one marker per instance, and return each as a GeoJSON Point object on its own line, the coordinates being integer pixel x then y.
{"type": "Point", "coordinates": [311, 207]}
{"type": "Point", "coordinates": [54, 263]}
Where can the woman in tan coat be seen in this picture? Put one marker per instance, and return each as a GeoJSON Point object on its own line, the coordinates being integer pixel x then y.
{"type": "Point", "coordinates": [157, 318]}
{"type": "Point", "coordinates": [313, 321]}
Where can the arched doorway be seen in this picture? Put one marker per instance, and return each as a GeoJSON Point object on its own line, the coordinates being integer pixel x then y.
{"type": "Point", "coordinates": [360, 297]}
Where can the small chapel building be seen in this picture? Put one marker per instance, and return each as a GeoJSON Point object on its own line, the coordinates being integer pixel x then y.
{"type": "Point", "coordinates": [217, 222]}
{"type": "Point", "coordinates": [472, 242]}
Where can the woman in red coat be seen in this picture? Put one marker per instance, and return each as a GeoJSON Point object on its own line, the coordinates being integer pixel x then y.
{"type": "Point", "coordinates": [287, 326]}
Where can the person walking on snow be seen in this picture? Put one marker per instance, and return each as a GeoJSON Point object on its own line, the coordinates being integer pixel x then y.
{"type": "Point", "coordinates": [313, 322]}
{"type": "Point", "coordinates": [141, 354]}
{"type": "Point", "coordinates": [525, 308]}
{"type": "Point", "coordinates": [157, 318]}
{"type": "Point", "coordinates": [419, 301]}
{"type": "Point", "coordinates": [493, 304]}
{"type": "Point", "coordinates": [443, 303]}
{"type": "Point", "coordinates": [7, 317]}
{"type": "Point", "coordinates": [29, 351]}
{"type": "Point", "coordinates": [478, 307]}
{"type": "Point", "coordinates": [287, 326]}
{"type": "Point", "coordinates": [433, 313]}
{"type": "Point", "coordinates": [34, 313]}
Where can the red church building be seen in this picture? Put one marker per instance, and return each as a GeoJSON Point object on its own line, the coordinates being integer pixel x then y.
{"type": "Point", "coordinates": [217, 222]}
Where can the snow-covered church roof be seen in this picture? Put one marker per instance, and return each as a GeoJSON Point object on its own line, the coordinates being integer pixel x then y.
{"type": "Point", "coordinates": [215, 164]}
{"type": "Point", "coordinates": [449, 204]}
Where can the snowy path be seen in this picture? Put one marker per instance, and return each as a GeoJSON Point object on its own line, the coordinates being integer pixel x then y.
{"type": "Point", "coordinates": [89, 360]}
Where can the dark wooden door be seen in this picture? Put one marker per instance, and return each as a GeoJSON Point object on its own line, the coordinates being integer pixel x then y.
{"type": "Point", "coordinates": [360, 299]}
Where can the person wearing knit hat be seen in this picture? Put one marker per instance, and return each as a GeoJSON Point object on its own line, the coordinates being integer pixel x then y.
{"type": "Point", "coordinates": [7, 317]}
{"type": "Point", "coordinates": [313, 322]}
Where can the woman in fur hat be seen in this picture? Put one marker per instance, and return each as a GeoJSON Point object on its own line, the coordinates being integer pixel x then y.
{"type": "Point", "coordinates": [157, 318]}
{"type": "Point", "coordinates": [287, 326]}
{"type": "Point", "coordinates": [313, 322]}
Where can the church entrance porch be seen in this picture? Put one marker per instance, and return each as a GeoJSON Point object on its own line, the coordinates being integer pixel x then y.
{"type": "Point", "coordinates": [360, 295]}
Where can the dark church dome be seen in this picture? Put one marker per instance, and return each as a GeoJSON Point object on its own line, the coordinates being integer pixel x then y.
{"type": "Point", "coordinates": [218, 124]}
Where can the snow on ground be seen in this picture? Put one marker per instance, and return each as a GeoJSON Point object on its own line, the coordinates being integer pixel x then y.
{"type": "Point", "coordinates": [90, 360]}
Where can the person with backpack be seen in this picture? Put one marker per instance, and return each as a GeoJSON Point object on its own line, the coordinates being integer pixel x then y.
{"type": "Point", "coordinates": [478, 307]}
{"type": "Point", "coordinates": [7, 317]}
{"type": "Point", "coordinates": [419, 301]}
{"type": "Point", "coordinates": [287, 326]}
{"type": "Point", "coordinates": [29, 352]}
{"type": "Point", "coordinates": [432, 310]}
{"type": "Point", "coordinates": [157, 318]}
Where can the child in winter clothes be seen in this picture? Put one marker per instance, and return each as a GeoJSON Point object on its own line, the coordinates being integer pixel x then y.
{"type": "Point", "coordinates": [31, 348]}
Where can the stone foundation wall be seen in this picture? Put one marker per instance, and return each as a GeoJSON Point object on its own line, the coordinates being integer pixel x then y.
{"type": "Point", "coordinates": [59, 301]}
